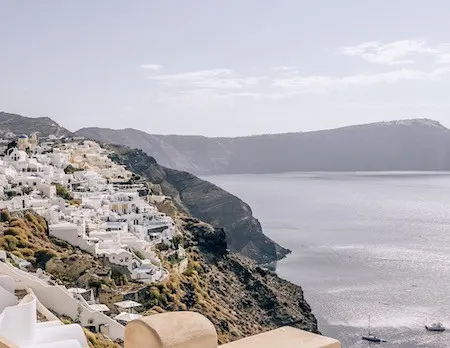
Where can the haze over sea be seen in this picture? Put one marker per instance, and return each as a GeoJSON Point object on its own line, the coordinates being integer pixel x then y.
{"type": "Point", "coordinates": [362, 243]}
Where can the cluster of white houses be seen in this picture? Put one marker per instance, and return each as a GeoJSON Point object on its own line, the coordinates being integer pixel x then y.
{"type": "Point", "coordinates": [111, 219]}
{"type": "Point", "coordinates": [90, 202]}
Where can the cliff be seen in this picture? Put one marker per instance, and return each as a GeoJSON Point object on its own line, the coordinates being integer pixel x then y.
{"type": "Point", "coordinates": [238, 296]}
{"type": "Point", "coordinates": [206, 202]}
{"type": "Point", "coordinates": [418, 144]}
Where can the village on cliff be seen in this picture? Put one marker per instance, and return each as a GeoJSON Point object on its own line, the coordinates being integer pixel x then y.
{"type": "Point", "coordinates": [95, 205]}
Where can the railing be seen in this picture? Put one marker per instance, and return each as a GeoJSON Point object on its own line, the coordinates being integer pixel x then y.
{"type": "Point", "coordinates": [58, 299]}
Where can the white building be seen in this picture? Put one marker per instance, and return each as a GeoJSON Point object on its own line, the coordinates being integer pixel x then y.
{"type": "Point", "coordinates": [19, 324]}
{"type": "Point", "coordinates": [113, 221]}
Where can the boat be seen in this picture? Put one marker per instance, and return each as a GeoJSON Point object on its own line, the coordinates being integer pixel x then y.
{"type": "Point", "coordinates": [372, 338]}
{"type": "Point", "coordinates": [435, 327]}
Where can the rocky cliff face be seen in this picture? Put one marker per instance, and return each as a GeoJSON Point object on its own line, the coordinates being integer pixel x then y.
{"type": "Point", "coordinates": [208, 203]}
{"type": "Point", "coordinates": [260, 299]}
{"type": "Point", "coordinates": [418, 144]}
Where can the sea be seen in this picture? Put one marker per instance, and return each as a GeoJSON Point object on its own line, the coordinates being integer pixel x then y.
{"type": "Point", "coordinates": [364, 245]}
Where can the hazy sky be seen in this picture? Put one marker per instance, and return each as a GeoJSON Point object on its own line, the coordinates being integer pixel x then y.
{"type": "Point", "coordinates": [230, 67]}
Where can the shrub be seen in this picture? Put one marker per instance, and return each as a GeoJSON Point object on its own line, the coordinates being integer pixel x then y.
{"type": "Point", "coordinates": [27, 252]}
{"type": "Point", "coordinates": [9, 243]}
{"type": "Point", "coordinates": [62, 192]}
{"type": "Point", "coordinates": [162, 247]}
{"type": "Point", "coordinates": [119, 278]}
{"type": "Point", "coordinates": [5, 215]}
{"type": "Point", "coordinates": [70, 169]}
{"type": "Point", "coordinates": [17, 253]}
{"type": "Point", "coordinates": [22, 242]}
{"type": "Point", "coordinates": [14, 231]}
{"type": "Point", "coordinates": [178, 240]}
{"type": "Point", "coordinates": [43, 256]}
{"type": "Point", "coordinates": [173, 258]}
{"type": "Point", "coordinates": [19, 223]}
{"type": "Point", "coordinates": [11, 193]}
{"type": "Point", "coordinates": [189, 270]}
{"type": "Point", "coordinates": [31, 218]}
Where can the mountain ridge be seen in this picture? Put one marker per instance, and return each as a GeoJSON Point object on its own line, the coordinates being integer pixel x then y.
{"type": "Point", "coordinates": [404, 122]}
{"type": "Point", "coordinates": [17, 124]}
{"type": "Point", "coordinates": [410, 144]}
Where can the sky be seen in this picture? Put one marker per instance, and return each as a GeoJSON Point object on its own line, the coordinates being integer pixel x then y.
{"type": "Point", "coordinates": [225, 68]}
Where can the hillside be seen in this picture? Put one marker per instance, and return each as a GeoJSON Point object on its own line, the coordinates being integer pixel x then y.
{"type": "Point", "coordinates": [194, 196]}
{"type": "Point", "coordinates": [18, 124]}
{"type": "Point", "coordinates": [206, 202]}
{"type": "Point", "coordinates": [261, 301]}
{"type": "Point", "coordinates": [418, 144]}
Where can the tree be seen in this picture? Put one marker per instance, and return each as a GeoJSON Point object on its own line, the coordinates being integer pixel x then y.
{"type": "Point", "coordinates": [11, 193]}
{"type": "Point", "coordinates": [11, 145]}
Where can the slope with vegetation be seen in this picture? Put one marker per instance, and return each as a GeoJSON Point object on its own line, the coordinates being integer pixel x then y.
{"type": "Point", "coordinates": [260, 301]}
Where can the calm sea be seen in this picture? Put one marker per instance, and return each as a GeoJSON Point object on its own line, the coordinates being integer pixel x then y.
{"type": "Point", "coordinates": [362, 244]}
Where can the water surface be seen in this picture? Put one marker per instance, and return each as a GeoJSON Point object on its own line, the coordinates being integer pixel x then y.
{"type": "Point", "coordinates": [362, 243]}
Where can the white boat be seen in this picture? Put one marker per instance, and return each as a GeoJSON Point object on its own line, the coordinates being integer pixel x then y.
{"type": "Point", "coordinates": [372, 338]}
{"type": "Point", "coordinates": [436, 327]}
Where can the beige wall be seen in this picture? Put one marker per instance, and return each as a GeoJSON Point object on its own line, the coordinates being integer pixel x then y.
{"type": "Point", "coordinates": [192, 330]}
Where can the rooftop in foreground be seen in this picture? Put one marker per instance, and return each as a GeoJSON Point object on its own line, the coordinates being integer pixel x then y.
{"type": "Point", "coordinates": [192, 330]}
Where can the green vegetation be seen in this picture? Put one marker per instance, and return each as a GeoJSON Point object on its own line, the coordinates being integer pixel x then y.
{"type": "Point", "coordinates": [11, 193]}
{"type": "Point", "coordinates": [162, 247]}
{"type": "Point", "coordinates": [62, 192]}
{"type": "Point", "coordinates": [11, 145]}
{"type": "Point", "coordinates": [43, 256]}
{"type": "Point", "coordinates": [98, 341]}
{"type": "Point", "coordinates": [138, 254]}
{"type": "Point", "coordinates": [118, 277]}
{"type": "Point", "coordinates": [173, 258]}
{"type": "Point", "coordinates": [26, 237]}
{"type": "Point", "coordinates": [178, 240]}
{"type": "Point", "coordinates": [70, 169]}
{"type": "Point", "coordinates": [5, 215]}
